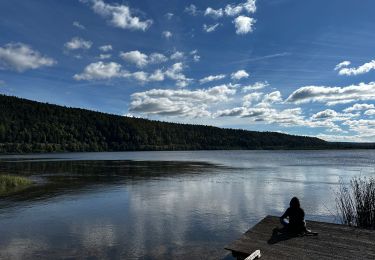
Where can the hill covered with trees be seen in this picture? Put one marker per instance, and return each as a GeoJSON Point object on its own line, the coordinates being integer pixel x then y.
{"type": "Point", "coordinates": [28, 126]}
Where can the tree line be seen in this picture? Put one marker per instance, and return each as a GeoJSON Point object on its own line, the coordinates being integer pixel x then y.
{"type": "Point", "coordinates": [28, 126]}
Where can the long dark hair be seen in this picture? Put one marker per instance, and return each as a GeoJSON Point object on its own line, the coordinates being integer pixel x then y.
{"type": "Point", "coordinates": [294, 203]}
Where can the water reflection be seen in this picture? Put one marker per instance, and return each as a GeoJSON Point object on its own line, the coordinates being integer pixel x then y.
{"type": "Point", "coordinates": [172, 209]}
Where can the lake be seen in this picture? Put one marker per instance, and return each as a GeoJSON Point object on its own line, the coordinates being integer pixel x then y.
{"type": "Point", "coordinates": [162, 205]}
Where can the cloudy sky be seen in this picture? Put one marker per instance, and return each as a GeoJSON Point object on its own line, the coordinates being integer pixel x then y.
{"type": "Point", "coordinates": [295, 66]}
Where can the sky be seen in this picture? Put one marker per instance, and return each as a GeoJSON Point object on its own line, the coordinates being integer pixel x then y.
{"type": "Point", "coordinates": [294, 66]}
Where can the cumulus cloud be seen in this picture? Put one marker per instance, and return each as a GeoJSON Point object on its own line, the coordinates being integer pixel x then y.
{"type": "Point", "coordinates": [256, 86]}
{"type": "Point", "coordinates": [244, 24]}
{"type": "Point", "coordinates": [365, 128]}
{"type": "Point", "coordinates": [332, 115]}
{"type": "Point", "coordinates": [78, 43]}
{"type": "Point", "coordinates": [344, 63]}
{"type": "Point", "coordinates": [105, 71]}
{"type": "Point", "coordinates": [212, 78]}
{"type": "Point", "coordinates": [249, 99]}
{"type": "Point", "coordinates": [358, 107]}
{"type": "Point", "coordinates": [155, 58]}
{"type": "Point", "coordinates": [214, 13]}
{"type": "Point", "coordinates": [21, 57]}
{"type": "Point", "coordinates": [232, 9]}
{"type": "Point", "coordinates": [370, 112]}
{"type": "Point", "coordinates": [177, 55]}
{"type": "Point", "coordinates": [136, 57]}
{"type": "Point", "coordinates": [344, 70]}
{"type": "Point", "coordinates": [167, 34]}
{"type": "Point", "coordinates": [101, 70]}
{"type": "Point", "coordinates": [141, 60]}
{"type": "Point", "coordinates": [119, 15]}
{"type": "Point", "coordinates": [191, 9]}
{"type": "Point", "coordinates": [210, 28]}
{"type": "Point", "coordinates": [240, 74]}
{"type": "Point", "coordinates": [333, 95]}
{"type": "Point", "coordinates": [106, 48]}
{"type": "Point", "coordinates": [78, 25]}
{"type": "Point", "coordinates": [182, 102]}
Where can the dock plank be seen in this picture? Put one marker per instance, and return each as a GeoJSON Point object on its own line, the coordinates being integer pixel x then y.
{"type": "Point", "coordinates": [333, 242]}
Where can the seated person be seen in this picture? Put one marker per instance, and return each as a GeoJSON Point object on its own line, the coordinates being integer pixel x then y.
{"type": "Point", "coordinates": [296, 216]}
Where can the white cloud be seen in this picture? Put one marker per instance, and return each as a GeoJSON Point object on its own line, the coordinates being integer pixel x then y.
{"type": "Point", "coordinates": [358, 107]}
{"type": "Point", "coordinates": [363, 127]}
{"type": "Point", "coordinates": [214, 13]}
{"type": "Point", "coordinates": [244, 24]}
{"type": "Point", "coordinates": [343, 70]}
{"type": "Point", "coordinates": [78, 43]}
{"type": "Point", "coordinates": [106, 48]}
{"type": "Point", "coordinates": [370, 112]}
{"type": "Point", "coordinates": [105, 56]}
{"type": "Point", "coordinates": [157, 58]}
{"type": "Point", "coordinates": [212, 78]}
{"type": "Point", "coordinates": [333, 95]}
{"type": "Point", "coordinates": [177, 55]}
{"type": "Point", "coordinates": [175, 73]}
{"type": "Point", "coordinates": [332, 115]}
{"type": "Point", "coordinates": [169, 16]}
{"type": "Point", "coordinates": [104, 71]}
{"type": "Point", "coordinates": [196, 58]}
{"type": "Point", "coordinates": [344, 63]}
{"type": "Point", "coordinates": [249, 99]}
{"type": "Point", "coordinates": [100, 71]}
{"type": "Point", "coordinates": [21, 57]}
{"type": "Point", "coordinates": [136, 57]}
{"type": "Point", "coordinates": [158, 75]}
{"type": "Point", "coordinates": [239, 75]}
{"type": "Point", "coordinates": [78, 25]}
{"type": "Point", "coordinates": [271, 98]}
{"type": "Point", "coordinates": [120, 15]}
{"type": "Point", "coordinates": [167, 34]}
{"type": "Point", "coordinates": [182, 102]}
{"type": "Point", "coordinates": [232, 10]}
{"type": "Point", "coordinates": [210, 28]}
{"type": "Point", "coordinates": [256, 86]}
{"type": "Point", "coordinates": [191, 9]}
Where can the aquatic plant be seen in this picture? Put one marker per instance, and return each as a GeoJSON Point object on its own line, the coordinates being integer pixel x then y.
{"type": "Point", "coordinates": [356, 202]}
{"type": "Point", "coordinates": [10, 183]}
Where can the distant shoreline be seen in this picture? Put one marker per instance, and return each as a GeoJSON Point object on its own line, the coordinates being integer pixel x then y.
{"type": "Point", "coordinates": [33, 127]}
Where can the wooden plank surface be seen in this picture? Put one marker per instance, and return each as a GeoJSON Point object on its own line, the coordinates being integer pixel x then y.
{"type": "Point", "coordinates": [333, 242]}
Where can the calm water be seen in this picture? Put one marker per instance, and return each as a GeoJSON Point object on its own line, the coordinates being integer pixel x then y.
{"type": "Point", "coordinates": [162, 205]}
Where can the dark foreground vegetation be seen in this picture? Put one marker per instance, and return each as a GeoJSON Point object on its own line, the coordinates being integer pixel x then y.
{"type": "Point", "coordinates": [28, 126]}
{"type": "Point", "coordinates": [356, 203]}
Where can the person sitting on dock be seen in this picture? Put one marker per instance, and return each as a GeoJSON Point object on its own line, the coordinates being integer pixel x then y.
{"type": "Point", "coordinates": [296, 217]}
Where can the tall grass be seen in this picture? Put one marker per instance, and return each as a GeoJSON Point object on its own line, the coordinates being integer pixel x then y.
{"type": "Point", "coordinates": [356, 202]}
{"type": "Point", "coordinates": [10, 183]}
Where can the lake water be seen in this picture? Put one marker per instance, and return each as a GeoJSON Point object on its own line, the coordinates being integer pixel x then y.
{"type": "Point", "coordinates": [162, 205]}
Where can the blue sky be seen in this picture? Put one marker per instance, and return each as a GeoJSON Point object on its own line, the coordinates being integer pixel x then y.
{"type": "Point", "coordinates": [294, 66]}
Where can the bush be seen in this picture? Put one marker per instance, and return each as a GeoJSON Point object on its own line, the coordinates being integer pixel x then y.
{"type": "Point", "coordinates": [356, 202]}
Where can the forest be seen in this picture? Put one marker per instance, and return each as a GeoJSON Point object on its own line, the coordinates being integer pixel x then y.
{"type": "Point", "coordinates": [33, 127]}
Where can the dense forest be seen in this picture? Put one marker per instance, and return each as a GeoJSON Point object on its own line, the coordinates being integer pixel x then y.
{"type": "Point", "coordinates": [28, 126]}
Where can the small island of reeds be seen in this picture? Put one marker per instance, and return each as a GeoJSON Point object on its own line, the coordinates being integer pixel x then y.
{"type": "Point", "coordinates": [12, 183]}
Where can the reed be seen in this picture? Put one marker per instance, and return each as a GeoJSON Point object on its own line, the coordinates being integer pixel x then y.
{"type": "Point", "coordinates": [356, 202]}
{"type": "Point", "coordinates": [10, 183]}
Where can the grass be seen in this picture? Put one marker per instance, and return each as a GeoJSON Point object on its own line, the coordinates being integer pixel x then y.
{"type": "Point", "coordinates": [356, 202]}
{"type": "Point", "coordinates": [11, 183]}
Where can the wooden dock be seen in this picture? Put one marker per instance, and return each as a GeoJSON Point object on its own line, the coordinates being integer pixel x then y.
{"type": "Point", "coordinates": [333, 242]}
